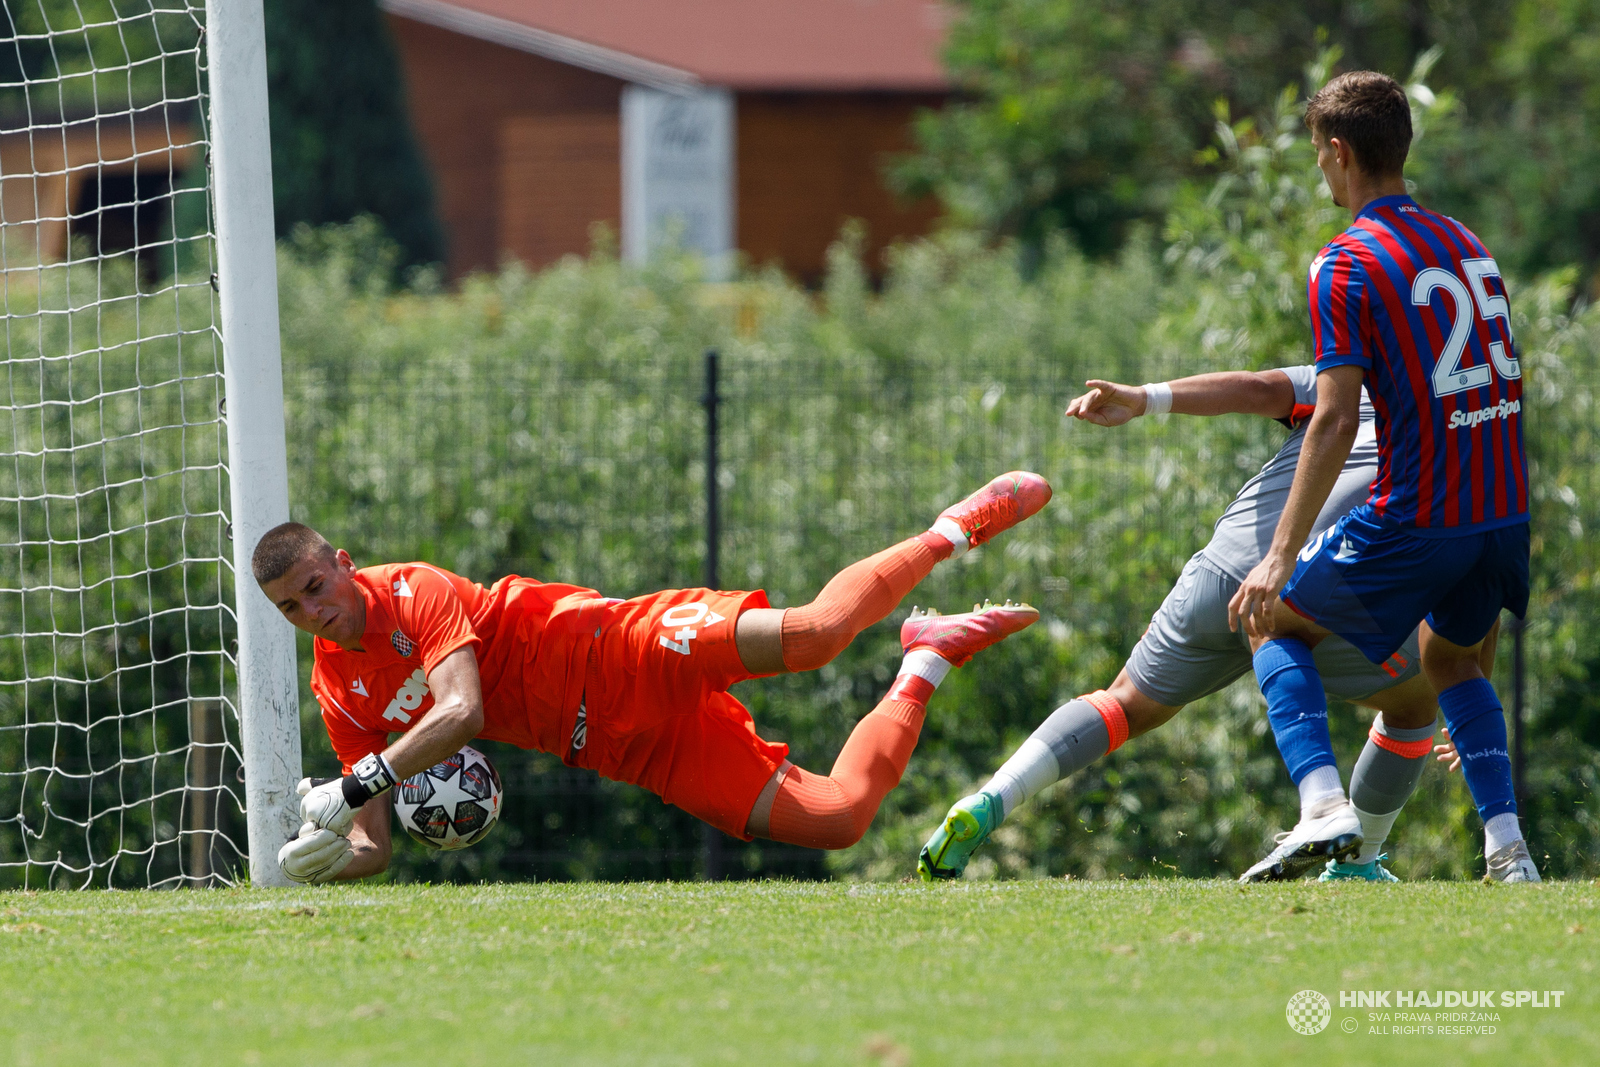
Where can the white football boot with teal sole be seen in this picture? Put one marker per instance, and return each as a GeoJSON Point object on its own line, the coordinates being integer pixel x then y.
{"type": "Point", "coordinates": [1339, 871]}
{"type": "Point", "coordinates": [1331, 830]}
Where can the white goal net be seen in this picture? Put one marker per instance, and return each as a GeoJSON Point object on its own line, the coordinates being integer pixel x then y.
{"type": "Point", "coordinates": [120, 761]}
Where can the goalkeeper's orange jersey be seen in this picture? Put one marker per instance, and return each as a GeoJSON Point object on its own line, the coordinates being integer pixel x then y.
{"type": "Point", "coordinates": [530, 639]}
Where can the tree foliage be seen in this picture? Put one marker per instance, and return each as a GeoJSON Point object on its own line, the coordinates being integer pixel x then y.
{"type": "Point", "coordinates": [1086, 116]}
{"type": "Point", "coordinates": [1524, 164]}
{"type": "Point", "coordinates": [75, 58]}
{"type": "Point", "coordinates": [342, 144]}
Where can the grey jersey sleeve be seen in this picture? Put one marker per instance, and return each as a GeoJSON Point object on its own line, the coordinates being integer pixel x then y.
{"type": "Point", "coordinates": [1245, 530]}
{"type": "Point", "coordinates": [1304, 380]}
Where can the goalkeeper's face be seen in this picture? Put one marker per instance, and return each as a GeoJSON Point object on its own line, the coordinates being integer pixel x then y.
{"type": "Point", "coordinates": [318, 595]}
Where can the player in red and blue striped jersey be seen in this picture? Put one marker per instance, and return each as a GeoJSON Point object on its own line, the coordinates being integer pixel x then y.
{"type": "Point", "coordinates": [1413, 298]}
{"type": "Point", "coordinates": [1410, 304]}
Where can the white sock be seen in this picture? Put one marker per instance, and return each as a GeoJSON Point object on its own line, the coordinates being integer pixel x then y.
{"type": "Point", "coordinates": [950, 530]}
{"type": "Point", "coordinates": [1074, 736]}
{"type": "Point", "coordinates": [1031, 768]}
{"type": "Point", "coordinates": [926, 664]}
{"type": "Point", "coordinates": [1374, 832]}
{"type": "Point", "coordinates": [1320, 783]}
{"type": "Point", "coordinates": [1500, 831]}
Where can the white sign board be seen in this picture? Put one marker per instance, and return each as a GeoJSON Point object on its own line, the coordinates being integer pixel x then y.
{"type": "Point", "coordinates": [677, 173]}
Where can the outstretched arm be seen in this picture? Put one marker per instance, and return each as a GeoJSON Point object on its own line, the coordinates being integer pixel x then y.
{"type": "Point", "coordinates": [1268, 393]}
{"type": "Point", "coordinates": [455, 718]}
{"type": "Point", "coordinates": [346, 834]}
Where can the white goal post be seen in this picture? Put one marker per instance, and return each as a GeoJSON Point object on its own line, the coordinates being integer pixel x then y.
{"type": "Point", "coordinates": [247, 271]}
{"type": "Point", "coordinates": [149, 719]}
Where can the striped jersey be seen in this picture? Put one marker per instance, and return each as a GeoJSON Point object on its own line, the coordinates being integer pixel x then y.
{"type": "Point", "coordinates": [1415, 299]}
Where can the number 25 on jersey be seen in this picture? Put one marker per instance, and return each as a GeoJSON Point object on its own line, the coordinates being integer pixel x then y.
{"type": "Point", "coordinates": [1448, 375]}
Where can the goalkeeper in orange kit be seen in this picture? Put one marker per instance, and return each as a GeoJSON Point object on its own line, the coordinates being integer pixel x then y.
{"type": "Point", "coordinates": [636, 690]}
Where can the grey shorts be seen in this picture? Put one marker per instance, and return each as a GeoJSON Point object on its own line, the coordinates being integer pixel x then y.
{"type": "Point", "coordinates": [1188, 652]}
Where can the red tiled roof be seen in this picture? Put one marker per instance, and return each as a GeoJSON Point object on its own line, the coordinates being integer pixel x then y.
{"type": "Point", "coordinates": [740, 44]}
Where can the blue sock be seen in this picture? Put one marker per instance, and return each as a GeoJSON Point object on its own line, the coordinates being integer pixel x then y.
{"type": "Point", "coordinates": [1296, 706]}
{"type": "Point", "coordinates": [1478, 728]}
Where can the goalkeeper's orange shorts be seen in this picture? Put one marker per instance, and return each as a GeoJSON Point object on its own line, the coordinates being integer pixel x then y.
{"type": "Point", "coordinates": [657, 712]}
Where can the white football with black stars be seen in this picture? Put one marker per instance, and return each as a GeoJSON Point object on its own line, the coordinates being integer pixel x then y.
{"type": "Point", "coordinates": [451, 804]}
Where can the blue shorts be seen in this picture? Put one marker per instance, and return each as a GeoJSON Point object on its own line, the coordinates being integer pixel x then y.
{"type": "Point", "coordinates": [1371, 582]}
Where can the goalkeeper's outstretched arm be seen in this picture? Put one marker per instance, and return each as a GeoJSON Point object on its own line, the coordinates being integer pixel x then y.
{"type": "Point", "coordinates": [358, 804]}
{"type": "Point", "coordinates": [454, 720]}
{"type": "Point", "coordinates": [1268, 393]}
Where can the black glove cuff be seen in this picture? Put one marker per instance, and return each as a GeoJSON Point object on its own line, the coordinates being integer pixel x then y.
{"type": "Point", "coordinates": [355, 794]}
{"type": "Point", "coordinates": [371, 777]}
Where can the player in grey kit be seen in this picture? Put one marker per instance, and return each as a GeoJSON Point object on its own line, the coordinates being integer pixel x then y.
{"type": "Point", "coordinates": [1189, 652]}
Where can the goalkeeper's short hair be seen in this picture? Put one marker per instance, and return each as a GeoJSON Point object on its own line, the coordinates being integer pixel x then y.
{"type": "Point", "coordinates": [281, 547]}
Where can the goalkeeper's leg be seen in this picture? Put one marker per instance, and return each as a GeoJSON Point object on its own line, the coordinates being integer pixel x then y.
{"type": "Point", "coordinates": [803, 808]}
{"type": "Point", "coordinates": [772, 641]}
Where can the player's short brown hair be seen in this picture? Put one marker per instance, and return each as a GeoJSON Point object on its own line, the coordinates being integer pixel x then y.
{"type": "Point", "coordinates": [281, 547]}
{"type": "Point", "coordinates": [1369, 112]}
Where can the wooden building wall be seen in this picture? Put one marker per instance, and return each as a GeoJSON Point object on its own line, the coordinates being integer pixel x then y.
{"type": "Point", "coordinates": [44, 174]}
{"type": "Point", "coordinates": [809, 161]}
{"type": "Point", "coordinates": [526, 157]}
{"type": "Point", "coordinates": [525, 152]}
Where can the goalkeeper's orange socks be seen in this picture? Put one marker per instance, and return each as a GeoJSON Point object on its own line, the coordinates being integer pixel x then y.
{"type": "Point", "coordinates": [858, 596]}
{"type": "Point", "coordinates": [865, 592]}
{"type": "Point", "coordinates": [834, 812]}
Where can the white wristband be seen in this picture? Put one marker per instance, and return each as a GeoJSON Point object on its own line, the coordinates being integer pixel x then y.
{"type": "Point", "coordinates": [1157, 398]}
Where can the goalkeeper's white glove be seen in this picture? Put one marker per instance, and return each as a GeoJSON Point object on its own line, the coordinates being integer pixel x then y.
{"type": "Point", "coordinates": [323, 806]}
{"type": "Point", "coordinates": [332, 804]}
{"type": "Point", "coordinates": [317, 855]}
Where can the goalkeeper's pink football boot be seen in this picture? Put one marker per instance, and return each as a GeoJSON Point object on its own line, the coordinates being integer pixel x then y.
{"type": "Point", "coordinates": [955, 638]}
{"type": "Point", "coordinates": [996, 507]}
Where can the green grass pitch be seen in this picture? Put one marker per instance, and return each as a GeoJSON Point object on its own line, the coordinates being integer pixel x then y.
{"type": "Point", "coordinates": [1018, 973]}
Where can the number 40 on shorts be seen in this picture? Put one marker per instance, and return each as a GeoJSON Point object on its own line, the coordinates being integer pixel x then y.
{"type": "Point", "coordinates": [684, 618]}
